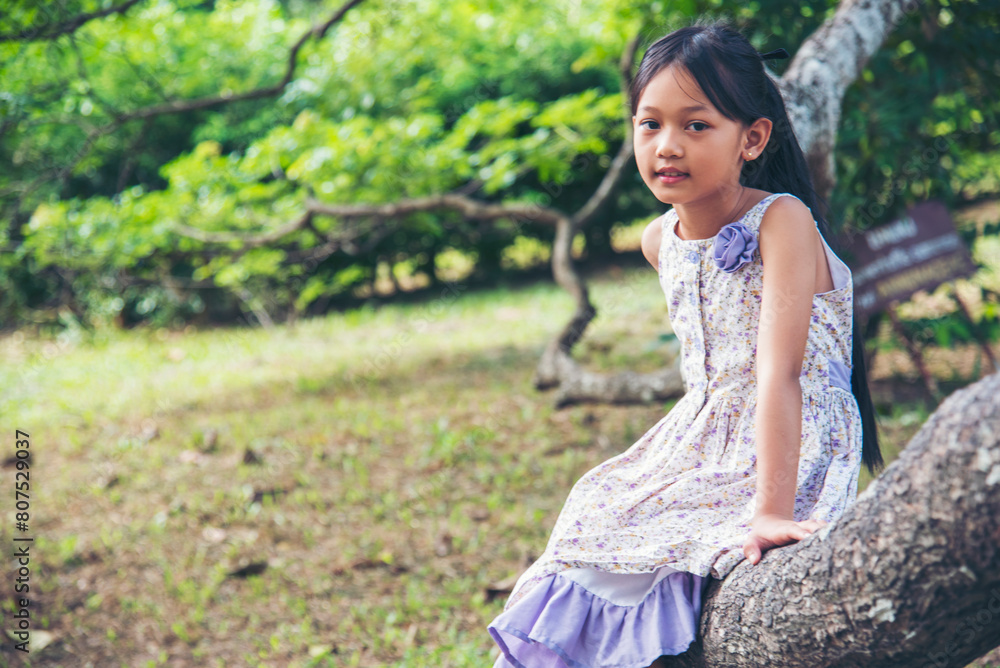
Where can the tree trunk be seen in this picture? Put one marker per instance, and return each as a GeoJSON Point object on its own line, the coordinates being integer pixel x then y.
{"type": "Point", "coordinates": [825, 65]}
{"type": "Point", "coordinates": [908, 576]}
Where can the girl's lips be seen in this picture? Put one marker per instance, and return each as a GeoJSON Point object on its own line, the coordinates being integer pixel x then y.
{"type": "Point", "coordinates": [664, 178]}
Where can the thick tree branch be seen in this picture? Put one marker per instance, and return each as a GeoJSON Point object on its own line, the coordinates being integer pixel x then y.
{"type": "Point", "coordinates": [908, 576]}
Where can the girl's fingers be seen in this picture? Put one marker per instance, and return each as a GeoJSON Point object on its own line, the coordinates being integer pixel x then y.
{"type": "Point", "coordinates": [752, 550]}
{"type": "Point", "coordinates": [755, 545]}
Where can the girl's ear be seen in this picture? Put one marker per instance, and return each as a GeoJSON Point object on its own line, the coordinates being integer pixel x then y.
{"type": "Point", "coordinates": [757, 135]}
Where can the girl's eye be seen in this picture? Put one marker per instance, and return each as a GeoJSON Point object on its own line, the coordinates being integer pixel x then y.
{"type": "Point", "coordinates": [697, 126]}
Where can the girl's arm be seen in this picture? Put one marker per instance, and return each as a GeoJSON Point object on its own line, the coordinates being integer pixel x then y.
{"type": "Point", "coordinates": [787, 241]}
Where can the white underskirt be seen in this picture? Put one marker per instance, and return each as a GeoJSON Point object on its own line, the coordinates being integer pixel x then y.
{"type": "Point", "coordinates": [618, 588]}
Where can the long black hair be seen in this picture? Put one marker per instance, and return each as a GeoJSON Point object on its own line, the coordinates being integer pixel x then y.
{"type": "Point", "coordinates": [732, 75]}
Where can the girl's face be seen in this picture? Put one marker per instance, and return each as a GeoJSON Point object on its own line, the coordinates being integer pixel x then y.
{"type": "Point", "coordinates": [685, 149]}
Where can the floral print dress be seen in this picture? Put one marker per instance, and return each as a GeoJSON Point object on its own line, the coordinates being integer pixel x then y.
{"type": "Point", "coordinates": [621, 578]}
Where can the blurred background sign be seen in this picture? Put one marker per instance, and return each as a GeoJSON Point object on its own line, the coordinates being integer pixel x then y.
{"type": "Point", "coordinates": [919, 251]}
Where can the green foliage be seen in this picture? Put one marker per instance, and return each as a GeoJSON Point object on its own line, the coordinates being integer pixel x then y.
{"type": "Point", "coordinates": [399, 100]}
{"type": "Point", "coordinates": [922, 121]}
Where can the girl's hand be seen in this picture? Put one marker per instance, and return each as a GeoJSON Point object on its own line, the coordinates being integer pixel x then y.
{"type": "Point", "coordinates": [774, 531]}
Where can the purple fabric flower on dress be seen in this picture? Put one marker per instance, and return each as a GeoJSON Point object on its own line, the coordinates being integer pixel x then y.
{"type": "Point", "coordinates": [734, 247]}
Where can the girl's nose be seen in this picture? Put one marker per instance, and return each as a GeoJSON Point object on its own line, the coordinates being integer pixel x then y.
{"type": "Point", "coordinates": [668, 144]}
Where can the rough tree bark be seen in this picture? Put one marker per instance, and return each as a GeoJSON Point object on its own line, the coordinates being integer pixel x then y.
{"type": "Point", "coordinates": [908, 576]}
{"type": "Point", "coordinates": [813, 87]}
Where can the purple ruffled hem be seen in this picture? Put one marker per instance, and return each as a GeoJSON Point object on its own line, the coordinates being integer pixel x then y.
{"type": "Point", "coordinates": [560, 623]}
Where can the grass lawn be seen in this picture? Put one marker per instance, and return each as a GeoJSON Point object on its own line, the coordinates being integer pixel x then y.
{"type": "Point", "coordinates": [338, 493]}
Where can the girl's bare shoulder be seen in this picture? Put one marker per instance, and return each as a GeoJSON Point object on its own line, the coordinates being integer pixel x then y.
{"type": "Point", "coordinates": [787, 221]}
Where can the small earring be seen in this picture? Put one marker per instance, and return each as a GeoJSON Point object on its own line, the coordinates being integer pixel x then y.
{"type": "Point", "coordinates": [750, 153]}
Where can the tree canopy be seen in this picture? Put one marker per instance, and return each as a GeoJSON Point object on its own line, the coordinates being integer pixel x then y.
{"type": "Point", "coordinates": [147, 142]}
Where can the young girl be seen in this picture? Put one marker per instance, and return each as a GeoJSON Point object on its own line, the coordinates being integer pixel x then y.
{"type": "Point", "coordinates": [766, 444]}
